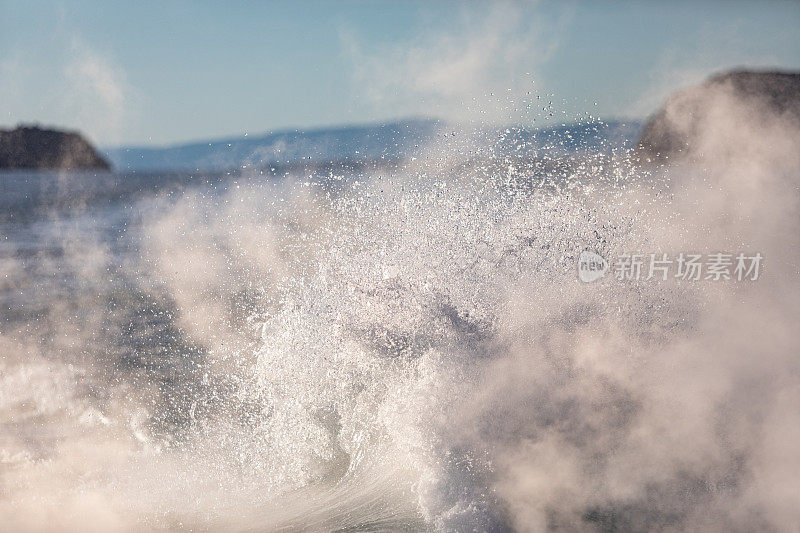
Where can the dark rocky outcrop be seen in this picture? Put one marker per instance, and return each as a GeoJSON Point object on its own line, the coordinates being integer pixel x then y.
{"type": "Point", "coordinates": [34, 147]}
{"type": "Point", "coordinates": [712, 109]}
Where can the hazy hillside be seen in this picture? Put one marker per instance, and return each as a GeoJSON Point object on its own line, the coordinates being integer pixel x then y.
{"type": "Point", "coordinates": [396, 140]}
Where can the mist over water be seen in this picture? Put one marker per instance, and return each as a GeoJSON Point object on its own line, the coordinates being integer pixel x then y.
{"type": "Point", "coordinates": [407, 347]}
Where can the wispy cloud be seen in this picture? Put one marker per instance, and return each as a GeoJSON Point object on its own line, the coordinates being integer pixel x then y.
{"type": "Point", "coordinates": [73, 85]}
{"type": "Point", "coordinates": [97, 92]}
{"type": "Point", "coordinates": [478, 69]}
{"type": "Point", "coordinates": [682, 66]}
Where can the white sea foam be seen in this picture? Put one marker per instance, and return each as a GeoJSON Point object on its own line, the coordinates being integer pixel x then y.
{"type": "Point", "coordinates": [413, 348]}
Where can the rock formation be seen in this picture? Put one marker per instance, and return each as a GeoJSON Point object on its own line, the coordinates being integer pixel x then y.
{"type": "Point", "coordinates": [37, 148]}
{"type": "Point", "coordinates": [716, 108]}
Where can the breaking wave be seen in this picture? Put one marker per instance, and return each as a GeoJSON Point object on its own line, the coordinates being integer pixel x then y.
{"type": "Point", "coordinates": [407, 347]}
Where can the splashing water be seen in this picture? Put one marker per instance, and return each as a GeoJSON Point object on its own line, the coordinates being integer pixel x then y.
{"type": "Point", "coordinates": [403, 348]}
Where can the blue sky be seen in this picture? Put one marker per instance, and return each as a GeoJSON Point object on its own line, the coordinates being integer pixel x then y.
{"type": "Point", "coordinates": [164, 72]}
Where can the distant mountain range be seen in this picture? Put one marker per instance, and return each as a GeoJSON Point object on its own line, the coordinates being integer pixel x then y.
{"type": "Point", "coordinates": [389, 141]}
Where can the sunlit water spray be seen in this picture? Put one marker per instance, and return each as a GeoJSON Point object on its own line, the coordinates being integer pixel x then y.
{"type": "Point", "coordinates": [408, 347]}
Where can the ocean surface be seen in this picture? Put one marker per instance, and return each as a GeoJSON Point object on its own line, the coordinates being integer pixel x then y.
{"type": "Point", "coordinates": [399, 345]}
